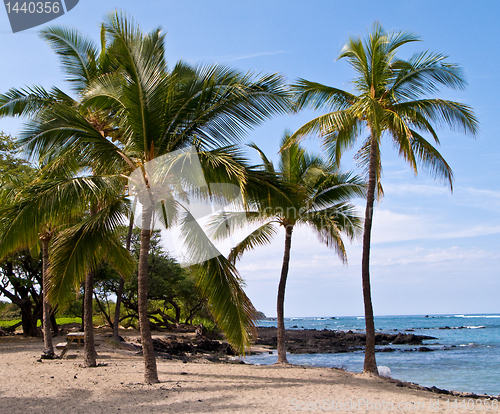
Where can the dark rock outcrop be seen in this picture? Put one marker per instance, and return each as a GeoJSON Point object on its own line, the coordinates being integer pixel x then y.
{"type": "Point", "coordinates": [181, 346]}
{"type": "Point", "coordinates": [311, 341]}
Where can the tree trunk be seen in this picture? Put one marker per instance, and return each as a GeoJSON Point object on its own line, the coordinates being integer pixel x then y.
{"type": "Point", "coordinates": [281, 297]}
{"type": "Point", "coordinates": [21, 298]}
{"type": "Point", "coordinates": [28, 318]}
{"type": "Point", "coordinates": [48, 352]}
{"type": "Point", "coordinates": [90, 355]}
{"type": "Point", "coordinates": [53, 322]}
{"type": "Point", "coordinates": [119, 294]}
{"type": "Point", "coordinates": [150, 372]}
{"type": "Point", "coordinates": [177, 310]}
{"type": "Point", "coordinates": [370, 364]}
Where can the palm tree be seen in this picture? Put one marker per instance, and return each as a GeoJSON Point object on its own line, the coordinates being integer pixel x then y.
{"type": "Point", "coordinates": [81, 61]}
{"type": "Point", "coordinates": [389, 100]}
{"type": "Point", "coordinates": [13, 200]}
{"type": "Point", "coordinates": [153, 111]}
{"type": "Point", "coordinates": [163, 111]}
{"type": "Point", "coordinates": [43, 211]}
{"type": "Point", "coordinates": [314, 195]}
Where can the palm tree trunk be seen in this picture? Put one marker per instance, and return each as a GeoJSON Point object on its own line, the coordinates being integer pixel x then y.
{"type": "Point", "coordinates": [119, 294]}
{"type": "Point", "coordinates": [90, 354]}
{"type": "Point", "coordinates": [281, 297]}
{"type": "Point", "coordinates": [48, 352]}
{"type": "Point", "coordinates": [150, 372]}
{"type": "Point", "coordinates": [370, 364]}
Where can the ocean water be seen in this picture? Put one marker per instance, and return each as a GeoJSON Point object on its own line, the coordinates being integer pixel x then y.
{"type": "Point", "coordinates": [465, 357]}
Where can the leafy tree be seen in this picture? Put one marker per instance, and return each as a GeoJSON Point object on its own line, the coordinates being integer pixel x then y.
{"type": "Point", "coordinates": [316, 195]}
{"type": "Point", "coordinates": [13, 199]}
{"type": "Point", "coordinates": [81, 61]}
{"type": "Point", "coordinates": [172, 293]}
{"type": "Point", "coordinates": [42, 210]}
{"type": "Point", "coordinates": [389, 101]}
{"type": "Point", "coordinates": [10, 162]}
{"type": "Point", "coordinates": [21, 273]}
{"type": "Point", "coordinates": [21, 282]}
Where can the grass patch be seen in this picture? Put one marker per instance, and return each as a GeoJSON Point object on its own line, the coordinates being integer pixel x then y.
{"type": "Point", "coordinates": [63, 321]}
{"type": "Point", "coordinates": [60, 321]}
{"type": "Point", "coordinates": [6, 324]}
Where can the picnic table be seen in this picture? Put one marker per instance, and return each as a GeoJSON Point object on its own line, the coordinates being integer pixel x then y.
{"type": "Point", "coordinates": [72, 339]}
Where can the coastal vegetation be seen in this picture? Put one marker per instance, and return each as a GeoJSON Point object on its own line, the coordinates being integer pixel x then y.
{"type": "Point", "coordinates": [68, 203]}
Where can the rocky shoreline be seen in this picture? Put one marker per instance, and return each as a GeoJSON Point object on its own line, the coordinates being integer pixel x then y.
{"type": "Point", "coordinates": [298, 341]}
{"type": "Point", "coordinates": [312, 341]}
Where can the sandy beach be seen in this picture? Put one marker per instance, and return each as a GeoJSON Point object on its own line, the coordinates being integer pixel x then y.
{"type": "Point", "coordinates": [59, 386]}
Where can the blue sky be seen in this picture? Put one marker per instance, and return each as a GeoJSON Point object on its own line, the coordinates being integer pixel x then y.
{"type": "Point", "coordinates": [433, 251]}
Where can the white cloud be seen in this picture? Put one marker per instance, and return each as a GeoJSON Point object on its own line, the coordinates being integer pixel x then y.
{"type": "Point", "coordinates": [389, 226]}
{"type": "Point", "coordinates": [412, 255]}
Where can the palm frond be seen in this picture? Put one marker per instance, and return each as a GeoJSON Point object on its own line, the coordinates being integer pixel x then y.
{"type": "Point", "coordinates": [333, 188]}
{"type": "Point", "coordinates": [78, 54]}
{"type": "Point", "coordinates": [30, 101]}
{"type": "Point", "coordinates": [455, 115]}
{"type": "Point", "coordinates": [217, 105]}
{"type": "Point", "coordinates": [233, 311]}
{"type": "Point", "coordinates": [402, 137]}
{"type": "Point", "coordinates": [424, 73]}
{"type": "Point", "coordinates": [316, 96]}
{"type": "Point", "coordinates": [330, 222]}
{"type": "Point", "coordinates": [81, 247]}
{"type": "Point", "coordinates": [362, 158]}
{"type": "Point", "coordinates": [259, 237]}
{"type": "Point", "coordinates": [225, 224]}
{"type": "Point", "coordinates": [430, 158]}
{"type": "Point", "coordinates": [220, 282]}
{"type": "Point", "coordinates": [338, 131]}
{"type": "Point", "coordinates": [64, 129]}
{"type": "Point", "coordinates": [267, 164]}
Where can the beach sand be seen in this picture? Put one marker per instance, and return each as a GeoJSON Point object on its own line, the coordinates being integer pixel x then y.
{"type": "Point", "coordinates": [63, 386]}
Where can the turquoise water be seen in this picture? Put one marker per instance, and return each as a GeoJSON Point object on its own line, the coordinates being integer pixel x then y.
{"type": "Point", "coordinates": [466, 357]}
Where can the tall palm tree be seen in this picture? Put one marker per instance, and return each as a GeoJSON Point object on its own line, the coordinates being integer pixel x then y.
{"type": "Point", "coordinates": [152, 111]}
{"type": "Point", "coordinates": [389, 100]}
{"type": "Point", "coordinates": [314, 195]}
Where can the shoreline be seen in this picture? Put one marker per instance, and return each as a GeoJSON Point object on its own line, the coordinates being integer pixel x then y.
{"type": "Point", "coordinates": [197, 386]}
{"type": "Point", "coordinates": [313, 341]}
